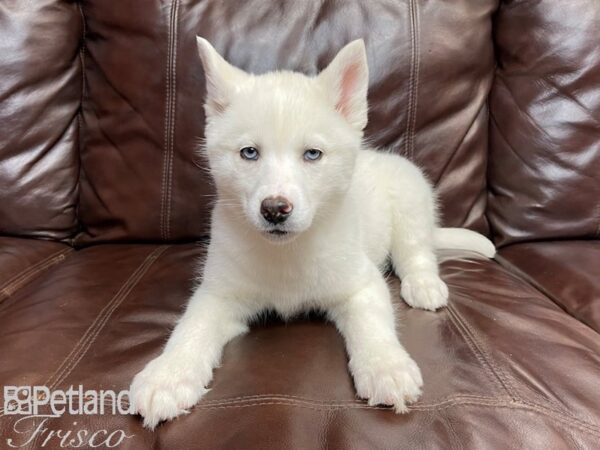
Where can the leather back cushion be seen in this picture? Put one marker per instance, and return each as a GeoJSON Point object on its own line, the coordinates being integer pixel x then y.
{"type": "Point", "coordinates": [40, 94]}
{"type": "Point", "coordinates": [544, 172]}
{"type": "Point", "coordinates": [431, 65]}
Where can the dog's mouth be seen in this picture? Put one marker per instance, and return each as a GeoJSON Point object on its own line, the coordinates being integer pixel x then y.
{"type": "Point", "coordinates": [279, 235]}
{"type": "Point", "coordinates": [277, 232]}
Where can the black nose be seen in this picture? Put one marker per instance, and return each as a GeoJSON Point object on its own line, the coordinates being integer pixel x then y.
{"type": "Point", "coordinates": [276, 209]}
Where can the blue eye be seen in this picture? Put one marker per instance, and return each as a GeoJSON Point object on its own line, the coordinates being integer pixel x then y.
{"type": "Point", "coordinates": [312, 154]}
{"type": "Point", "coordinates": [249, 153]}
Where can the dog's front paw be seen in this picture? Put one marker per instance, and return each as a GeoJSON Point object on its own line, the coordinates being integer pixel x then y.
{"type": "Point", "coordinates": [388, 380]}
{"type": "Point", "coordinates": [425, 291]}
{"type": "Point", "coordinates": [165, 389]}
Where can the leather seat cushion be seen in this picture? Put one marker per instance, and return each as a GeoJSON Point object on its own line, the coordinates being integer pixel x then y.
{"type": "Point", "coordinates": [566, 271]}
{"type": "Point", "coordinates": [502, 365]}
{"type": "Point", "coordinates": [22, 260]}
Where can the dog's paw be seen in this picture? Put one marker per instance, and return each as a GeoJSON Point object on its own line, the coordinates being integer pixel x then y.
{"type": "Point", "coordinates": [425, 291]}
{"type": "Point", "coordinates": [395, 381]}
{"type": "Point", "coordinates": [164, 390]}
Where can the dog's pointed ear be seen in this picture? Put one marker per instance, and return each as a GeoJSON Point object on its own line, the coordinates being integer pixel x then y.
{"type": "Point", "coordinates": [222, 79]}
{"type": "Point", "coordinates": [346, 78]}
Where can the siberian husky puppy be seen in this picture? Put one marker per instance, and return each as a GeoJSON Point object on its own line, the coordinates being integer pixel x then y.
{"type": "Point", "coordinates": [306, 218]}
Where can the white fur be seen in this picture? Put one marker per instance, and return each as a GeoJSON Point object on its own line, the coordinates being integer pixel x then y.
{"type": "Point", "coordinates": [353, 209]}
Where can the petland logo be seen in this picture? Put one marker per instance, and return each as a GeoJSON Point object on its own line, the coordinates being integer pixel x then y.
{"type": "Point", "coordinates": [38, 404]}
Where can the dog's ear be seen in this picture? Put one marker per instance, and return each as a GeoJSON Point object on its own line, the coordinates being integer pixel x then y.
{"type": "Point", "coordinates": [222, 79]}
{"type": "Point", "coordinates": [347, 79]}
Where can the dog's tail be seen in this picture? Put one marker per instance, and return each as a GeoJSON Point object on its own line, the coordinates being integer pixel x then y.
{"type": "Point", "coordinates": [463, 239]}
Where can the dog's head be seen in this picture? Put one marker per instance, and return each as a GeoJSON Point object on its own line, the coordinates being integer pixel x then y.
{"type": "Point", "coordinates": [282, 146]}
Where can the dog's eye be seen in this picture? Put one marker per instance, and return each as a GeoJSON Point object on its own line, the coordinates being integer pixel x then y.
{"type": "Point", "coordinates": [312, 154]}
{"type": "Point", "coordinates": [249, 153]}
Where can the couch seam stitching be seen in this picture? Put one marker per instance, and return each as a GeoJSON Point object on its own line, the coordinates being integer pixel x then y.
{"type": "Point", "coordinates": [175, 34]}
{"type": "Point", "coordinates": [73, 358]}
{"type": "Point", "coordinates": [451, 430]}
{"type": "Point", "coordinates": [410, 82]}
{"type": "Point", "coordinates": [413, 80]}
{"type": "Point", "coordinates": [137, 274]}
{"type": "Point", "coordinates": [501, 376]}
{"type": "Point", "coordinates": [167, 127]}
{"type": "Point", "coordinates": [438, 406]}
{"type": "Point", "coordinates": [582, 426]}
{"type": "Point", "coordinates": [559, 415]}
{"type": "Point", "coordinates": [475, 350]}
{"type": "Point", "coordinates": [505, 379]}
{"type": "Point", "coordinates": [124, 292]}
{"type": "Point", "coordinates": [340, 404]}
{"type": "Point", "coordinates": [591, 428]}
{"type": "Point", "coordinates": [523, 276]}
{"type": "Point", "coordinates": [416, 79]}
{"type": "Point", "coordinates": [292, 398]}
{"type": "Point", "coordinates": [61, 373]}
{"type": "Point", "coordinates": [24, 278]}
{"type": "Point", "coordinates": [28, 269]}
{"type": "Point", "coordinates": [19, 280]}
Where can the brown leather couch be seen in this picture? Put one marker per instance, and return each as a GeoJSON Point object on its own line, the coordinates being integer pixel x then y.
{"type": "Point", "coordinates": [104, 208]}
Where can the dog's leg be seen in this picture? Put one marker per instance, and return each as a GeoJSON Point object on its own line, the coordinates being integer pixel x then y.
{"type": "Point", "coordinates": [383, 371]}
{"type": "Point", "coordinates": [177, 379]}
{"type": "Point", "coordinates": [413, 253]}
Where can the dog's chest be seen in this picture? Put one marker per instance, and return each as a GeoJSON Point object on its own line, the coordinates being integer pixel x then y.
{"type": "Point", "coordinates": [290, 284]}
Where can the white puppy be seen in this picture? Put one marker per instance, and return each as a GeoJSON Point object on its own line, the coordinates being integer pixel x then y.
{"type": "Point", "coordinates": [305, 218]}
